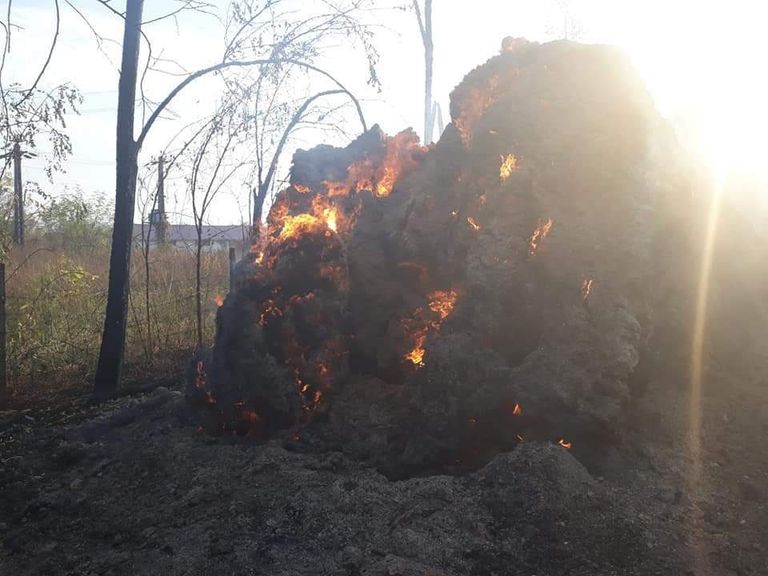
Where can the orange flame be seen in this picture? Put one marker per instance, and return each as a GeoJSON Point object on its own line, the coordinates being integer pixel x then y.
{"type": "Point", "coordinates": [416, 355]}
{"type": "Point", "coordinates": [301, 189]}
{"type": "Point", "coordinates": [565, 444]}
{"type": "Point", "coordinates": [508, 165]}
{"type": "Point", "coordinates": [472, 222]}
{"type": "Point", "coordinates": [400, 157]}
{"type": "Point", "coordinates": [294, 226]}
{"type": "Point", "coordinates": [441, 304]}
{"type": "Point", "coordinates": [541, 232]}
{"type": "Point", "coordinates": [218, 300]}
{"type": "Point", "coordinates": [330, 215]}
{"type": "Point", "coordinates": [333, 188]}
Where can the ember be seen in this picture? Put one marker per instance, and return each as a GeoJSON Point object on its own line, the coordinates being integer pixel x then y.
{"type": "Point", "coordinates": [538, 236]}
{"type": "Point", "coordinates": [508, 165]}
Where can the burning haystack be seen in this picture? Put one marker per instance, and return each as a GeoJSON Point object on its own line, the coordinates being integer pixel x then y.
{"type": "Point", "coordinates": [429, 307]}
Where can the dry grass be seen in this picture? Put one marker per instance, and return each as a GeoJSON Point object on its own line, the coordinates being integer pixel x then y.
{"type": "Point", "coordinates": [55, 306]}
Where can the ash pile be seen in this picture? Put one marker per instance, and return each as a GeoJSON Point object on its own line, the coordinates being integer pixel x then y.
{"type": "Point", "coordinates": [425, 308]}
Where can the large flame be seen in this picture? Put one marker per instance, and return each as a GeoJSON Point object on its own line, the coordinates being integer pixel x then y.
{"type": "Point", "coordinates": [401, 156]}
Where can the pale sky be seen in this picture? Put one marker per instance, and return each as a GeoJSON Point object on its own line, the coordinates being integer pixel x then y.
{"type": "Point", "coordinates": [703, 62]}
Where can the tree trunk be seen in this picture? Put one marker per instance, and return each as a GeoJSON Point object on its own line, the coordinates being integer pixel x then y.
{"type": "Point", "coordinates": [198, 288]}
{"type": "Point", "coordinates": [113, 339]}
{"type": "Point", "coordinates": [3, 376]}
{"type": "Point", "coordinates": [428, 57]}
{"type": "Point", "coordinates": [18, 197]}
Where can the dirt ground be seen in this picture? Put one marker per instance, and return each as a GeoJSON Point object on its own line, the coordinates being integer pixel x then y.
{"type": "Point", "coordinates": [133, 487]}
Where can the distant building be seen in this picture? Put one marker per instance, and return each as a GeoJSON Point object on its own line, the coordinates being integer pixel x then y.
{"type": "Point", "coordinates": [184, 237]}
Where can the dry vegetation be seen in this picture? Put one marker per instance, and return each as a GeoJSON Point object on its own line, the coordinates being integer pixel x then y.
{"type": "Point", "coordinates": [56, 296]}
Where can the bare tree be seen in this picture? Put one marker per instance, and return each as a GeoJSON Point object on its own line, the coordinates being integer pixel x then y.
{"type": "Point", "coordinates": [203, 190]}
{"type": "Point", "coordinates": [30, 114]}
{"type": "Point", "coordinates": [570, 25]}
{"type": "Point", "coordinates": [278, 58]}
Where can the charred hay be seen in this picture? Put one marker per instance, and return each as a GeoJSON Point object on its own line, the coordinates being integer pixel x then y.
{"type": "Point", "coordinates": [426, 308]}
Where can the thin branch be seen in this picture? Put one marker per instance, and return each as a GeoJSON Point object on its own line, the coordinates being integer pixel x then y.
{"type": "Point", "coordinates": [423, 31]}
{"type": "Point", "coordinates": [242, 64]}
{"type": "Point", "coordinates": [286, 133]}
{"type": "Point", "coordinates": [47, 60]}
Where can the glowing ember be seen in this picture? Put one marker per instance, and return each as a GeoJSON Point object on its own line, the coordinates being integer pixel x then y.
{"type": "Point", "coordinates": [218, 300]}
{"type": "Point", "coordinates": [508, 165]}
{"type": "Point", "coordinates": [301, 189]}
{"type": "Point", "coordinates": [442, 302]}
{"type": "Point", "coordinates": [472, 222]}
{"type": "Point", "coordinates": [416, 356]}
{"type": "Point", "coordinates": [565, 444]}
{"type": "Point", "coordinates": [250, 416]}
{"type": "Point", "coordinates": [260, 258]}
{"type": "Point", "coordinates": [541, 232]}
{"type": "Point", "coordinates": [516, 411]}
{"type": "Point", "coordinates": [586, 289]}
{"type": "Point", "coordinates": [270, 309]}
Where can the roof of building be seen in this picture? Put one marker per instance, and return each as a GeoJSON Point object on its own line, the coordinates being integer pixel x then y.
{"type": "Point", "coordinates": [188, 232]}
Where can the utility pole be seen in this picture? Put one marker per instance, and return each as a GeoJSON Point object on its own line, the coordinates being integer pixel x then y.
{"type": "Point", "coordinates": [18, 197]}
{"type": "Point", "coordinates": [16, 155]}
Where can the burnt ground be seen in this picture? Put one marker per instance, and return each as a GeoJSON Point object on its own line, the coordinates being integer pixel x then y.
{"type": "Point", "coordinates": [132, 487]}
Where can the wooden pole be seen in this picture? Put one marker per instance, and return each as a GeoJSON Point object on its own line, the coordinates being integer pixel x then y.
{"type": "Point", "coordinates": [231, 268]}
{"type": "Point", "coordinates": [162, 220]}
{"type": "Point", "coordinates": [18, 195]}
{"type": "Point", "coordinates": [3, 377]}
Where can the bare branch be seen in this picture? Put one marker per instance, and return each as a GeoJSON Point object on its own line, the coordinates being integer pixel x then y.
{"type": "Point", "coordinates": [286, 133]}
{"type": "Point", "coordinates": [241, 64]}
{"type": "Point", "coordinates": [48, 59]}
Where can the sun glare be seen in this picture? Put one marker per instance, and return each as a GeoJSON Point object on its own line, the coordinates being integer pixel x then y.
{"type": "Point", "coordinates": [703, 64]}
